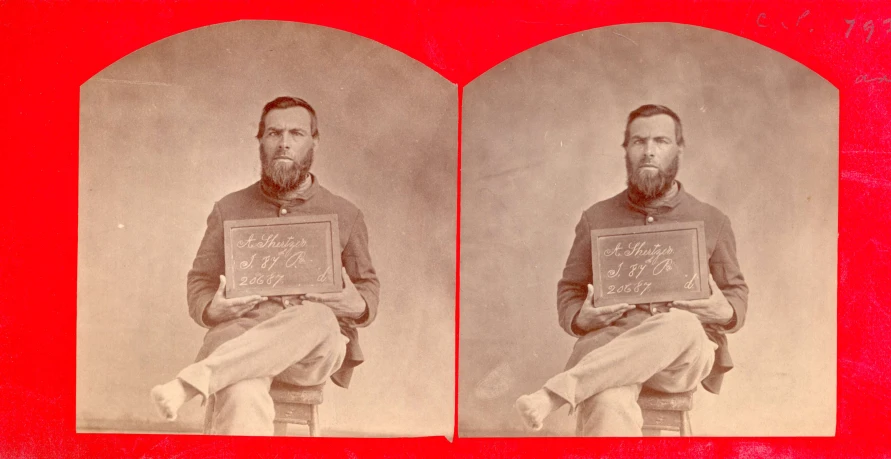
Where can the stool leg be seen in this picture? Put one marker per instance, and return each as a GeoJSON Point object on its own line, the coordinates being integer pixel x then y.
{"type": "Point", "coordinates": [280, 429]}
{"type": "Point", "coordinates": [686, 428]}
{"type": "Point", "coordinates": [314, 430]}
{"type": "Point", "coordinates": [208, 415]}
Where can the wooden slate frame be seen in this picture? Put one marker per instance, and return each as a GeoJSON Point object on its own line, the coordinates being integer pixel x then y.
{"type": "Point", "coordinates": [336, 285]}
{"type": "Point", "coordinates": [697, 233]}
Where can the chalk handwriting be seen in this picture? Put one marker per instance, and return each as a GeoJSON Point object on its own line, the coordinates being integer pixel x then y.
{"type": "Point", "coordinates": [640, 288]}
{"type": "Point", "coordinates": [655, 261]}
{"type": "Point", "coordinates": [637, 249]}
{"type": "Point", "coordinates": [261, 279]}
{"type": "Point", "coordinates": [283, 256]}
{"type": "Point", "coordinates": [247, 264]}
{"type": "Point", "coordinates": [271, 241]}
{"type": "Point", "coordinates": [615, 272]}
{"type": "Point", "coordinates": [298, 258]}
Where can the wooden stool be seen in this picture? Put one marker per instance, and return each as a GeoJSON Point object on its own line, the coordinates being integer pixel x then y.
{"type": "Point", "coordinates": [296, 405]}
{"type": "Point", "coordinates": [293, 405]}
{"type": "Point", "coordinates": [664, 411]}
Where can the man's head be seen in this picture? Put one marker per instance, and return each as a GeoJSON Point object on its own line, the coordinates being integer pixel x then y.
{"type": "Point", "coordinates": [288, 135]}
{"type": "Point", "coordinates": [654, 144]}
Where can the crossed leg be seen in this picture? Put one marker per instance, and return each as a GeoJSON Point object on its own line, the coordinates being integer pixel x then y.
{"type": "Point", "coordinates": [305, 340]}
{"type": "Point", "coordinates": [667, 351]}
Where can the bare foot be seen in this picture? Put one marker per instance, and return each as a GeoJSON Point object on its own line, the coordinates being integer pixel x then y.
{"type": "Point", "coordinates": [535, 407]}
{"type": "Point", "coordinates": [169, 397]}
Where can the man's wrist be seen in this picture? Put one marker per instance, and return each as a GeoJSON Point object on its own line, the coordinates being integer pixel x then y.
{"type": "Point", "coordinates": [206, 318]}
{"type": "Point", "coordinates": [729, 323]}
{"type": "Point", "coordinates": [574, 324]}
{"type": "Point", "coordinates": [361, 316]}
{"type": "Point", "coordinates": [206, 314]}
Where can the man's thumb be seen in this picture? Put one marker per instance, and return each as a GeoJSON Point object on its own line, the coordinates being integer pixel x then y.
{"type": "Point", "coordinates": [590, 293]}
{"type": "Point", "coordinates": [222, 286]}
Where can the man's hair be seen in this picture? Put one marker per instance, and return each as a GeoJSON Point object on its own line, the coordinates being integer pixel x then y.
{"type": "Point", "coordinates": [653, 110]}
{"type": "Point", "coordinates": [289, 102]}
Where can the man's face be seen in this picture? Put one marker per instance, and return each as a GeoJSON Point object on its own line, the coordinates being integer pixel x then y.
{"type": "Point", "coordinates": [287, 147]}
{"type": "Point", "coordinates": [652, 156]}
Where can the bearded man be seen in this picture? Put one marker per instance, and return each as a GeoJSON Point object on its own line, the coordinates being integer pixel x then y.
{"type": "Point", "coordinates": [303, 339]}
{"type": "Point", "coordinates": [621, 348]}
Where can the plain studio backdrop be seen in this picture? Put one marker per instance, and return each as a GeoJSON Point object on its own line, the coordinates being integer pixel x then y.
{"type": "Point", "coordinates": [169, 129]}
{"type": "Point", "coordinates": [542, 142]}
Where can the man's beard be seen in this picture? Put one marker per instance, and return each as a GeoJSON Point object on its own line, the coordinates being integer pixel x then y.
{"type": "Point", "coordinates": [647, 185]}
{"type": "Point", "coordinates": [282, 176]}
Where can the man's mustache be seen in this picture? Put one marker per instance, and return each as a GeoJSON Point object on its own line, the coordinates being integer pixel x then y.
{"type": "Point", "coordinates": [648, 164]}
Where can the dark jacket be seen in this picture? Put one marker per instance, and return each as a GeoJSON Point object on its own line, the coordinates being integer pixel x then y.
{"type": "Point", "coordinates": [620, 211]}
{"type": "Point", "coordinates": [252, 202]}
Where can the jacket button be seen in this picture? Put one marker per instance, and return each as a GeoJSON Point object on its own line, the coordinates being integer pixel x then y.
{"type": "Point", "coordinates": [649, 219]}
{"type": "Point", "coordinates": [284, 211]}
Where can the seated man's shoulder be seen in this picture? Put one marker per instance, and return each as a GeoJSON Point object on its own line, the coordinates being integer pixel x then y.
{"type": "Point", "coordinates": [607, 206]}
{"type": "Point", "coordinates": [705, 209]}
{"type": "Point", "coordinates": [248, 194]}
{"type": "Point", "coordinates": [344, 208]}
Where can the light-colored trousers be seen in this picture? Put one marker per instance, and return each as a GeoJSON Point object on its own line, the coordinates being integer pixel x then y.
{"type": "Point", "coordinates": [299, 345]}
{"type": "Point", "coordinates": [669, 352]}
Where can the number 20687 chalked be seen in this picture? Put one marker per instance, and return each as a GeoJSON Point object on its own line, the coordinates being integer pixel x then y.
{"type": "Point", "coordinates": [282, 256]}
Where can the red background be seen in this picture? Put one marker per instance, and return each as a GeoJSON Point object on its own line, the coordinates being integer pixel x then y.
{"type": "Point", "coordinates": [49, 48]}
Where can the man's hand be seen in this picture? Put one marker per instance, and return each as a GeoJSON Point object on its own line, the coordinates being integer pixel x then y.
{"type": "Point", "coordinates": [713, 310]}
{"type": "Point", "coordinates": [346, 303]}
{"type": "Point", "coordinates": [592, 317]}
{"type": "Point", "coordinates": [222, 309]}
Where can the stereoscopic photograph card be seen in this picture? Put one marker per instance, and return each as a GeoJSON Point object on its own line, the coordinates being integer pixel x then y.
{"type": "Point", "coordinates": [641, 125]}
{"type": "Point", "coordinates": [264, 209]}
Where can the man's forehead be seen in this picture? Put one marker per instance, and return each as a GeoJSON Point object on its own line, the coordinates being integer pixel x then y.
{"type": "Point", "coordinates": [288, 117]}
{"type": "Point", "coordinates": [651, 126]}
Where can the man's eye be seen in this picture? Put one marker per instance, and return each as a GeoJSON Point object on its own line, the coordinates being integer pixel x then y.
{"type": "Point", "coordinates": [272, 134]}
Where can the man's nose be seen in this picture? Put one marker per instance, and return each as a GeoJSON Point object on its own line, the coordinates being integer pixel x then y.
{"type": "Point", "coordinates": [286, 141]}
{"type": "Point", "coordinates": [650, 149]}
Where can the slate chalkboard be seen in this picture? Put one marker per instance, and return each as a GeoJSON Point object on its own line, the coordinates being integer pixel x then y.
{"type": "Point", "coordinates": [282, 256]}
{"type": "Point", "coordinates": [650, 264]}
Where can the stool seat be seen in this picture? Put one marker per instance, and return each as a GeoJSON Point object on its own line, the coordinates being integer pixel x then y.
{"type": "Point", "coordinates": [293, 405]}
{"type": "Point", "coordinates": [666, 411]}
{"type": "Point", "coordinates": [288, 393]}
{"type": "Point", "coordinates": [654, 400]}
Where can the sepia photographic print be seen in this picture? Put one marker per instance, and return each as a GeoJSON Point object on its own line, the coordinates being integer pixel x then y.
{"type": "Point", "coordinates": [267, 238]}
{"type": "Point", "coordinates": [585, 309]}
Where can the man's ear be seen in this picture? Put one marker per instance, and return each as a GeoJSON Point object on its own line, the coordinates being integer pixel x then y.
{"type": "Point", "coordinates": [315, 142]}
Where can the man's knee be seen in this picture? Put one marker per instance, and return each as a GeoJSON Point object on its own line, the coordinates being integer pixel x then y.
{"type": "Point", "coordinates": [324, 322]}
{"type": "Point", "coordinates": [328, 353]}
